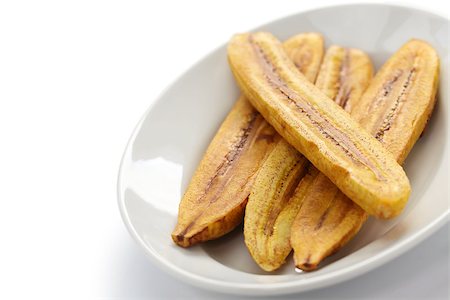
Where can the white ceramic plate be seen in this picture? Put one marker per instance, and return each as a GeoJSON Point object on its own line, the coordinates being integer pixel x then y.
{"type": "Point", "coordinates": [169, 141]}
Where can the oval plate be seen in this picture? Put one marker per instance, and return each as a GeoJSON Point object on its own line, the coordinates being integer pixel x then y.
{"type": "Point", "coordinates": [169, 141]}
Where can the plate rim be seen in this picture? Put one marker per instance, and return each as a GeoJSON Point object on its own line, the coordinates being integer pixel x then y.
{"type": "Point", "coordinates": [278, 288]}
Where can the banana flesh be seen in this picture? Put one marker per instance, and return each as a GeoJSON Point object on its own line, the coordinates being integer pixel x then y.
{"type": "Point", "coordinates": [271, 208]}
{"type": "Point", "coordinates": [395, 109]}
{"type": "Point", "coordinates": [316, 126]}
{"type": "Point", "coordinates": [397, 105]}
{"type": "Point", "coordinates": [215, 199]}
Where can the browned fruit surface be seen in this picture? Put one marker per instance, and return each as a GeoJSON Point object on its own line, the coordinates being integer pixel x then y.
{"type": "Point", "coordinates": [395, 109]}
{"type": "Point", "coordinates": [271, 209]}
{"type": "Point", "coordinates": [215, 199]}
{"type": "Point", "coordinates": [316, 126]}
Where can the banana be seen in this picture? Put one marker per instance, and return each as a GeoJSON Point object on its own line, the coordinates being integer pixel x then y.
{"type": "Point", "coordinates": [215, 199]}
{"type": "Point", "coordinates": [398, 104]}
{"type": "Point", "coordinates": [271, 209]}
{"type": "Point", "coordinates": [306, 51]}
{"type": "Point", "coordinates": [344, 75]}
{"type": "Point", "coordinates": [325, 222]}
{"type": "Point", "coordinates": [316, 126]}
{"type": "Point", "coordinates": [395, 109]}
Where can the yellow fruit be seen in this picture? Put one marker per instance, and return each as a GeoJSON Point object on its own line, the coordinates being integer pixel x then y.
{"type": "Point", "coordinates": [271, 209]}
{"type": "Point", "coordinates": [316, 126]}
{"type": "Point", "coordinates": [395, 109]}
{"type": "Point", "coordinates": [215, 199]}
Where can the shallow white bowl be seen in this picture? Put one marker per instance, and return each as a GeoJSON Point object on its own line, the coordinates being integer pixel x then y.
{"type": "Point", "coordinates": [169, 141]}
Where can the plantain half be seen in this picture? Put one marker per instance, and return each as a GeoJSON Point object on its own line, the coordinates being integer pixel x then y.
{"type": "Point", "coordinates": [395, 109]}
{"type": "Point", "coordinates": [316, 126]}
{"type": "Point", "coordinates": [271, 208]}
{"type": "Point", "coordinates": [215, 199]}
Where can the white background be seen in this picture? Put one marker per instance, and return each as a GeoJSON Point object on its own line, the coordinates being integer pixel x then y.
{"type": "Point", "coordinates": [75, 77]}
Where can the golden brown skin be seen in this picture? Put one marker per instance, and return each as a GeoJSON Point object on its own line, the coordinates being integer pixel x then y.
{"type": "Point", "coordinates": [267, 220]}
{"type": "Point", "coordinates": [216, 196]}
{"type": "Point", "coordinates": [403, 92]}
{"type": "Point", "coordinates": [215, 199]}
{"type": "Point", "coordinates": [271, 209]}
{"type": "Point", "coordinates": [306, 51]}
{"type": "Point", "coordinates": [316, 126]}
{"type": "Point", "coordinates": [344, 75]}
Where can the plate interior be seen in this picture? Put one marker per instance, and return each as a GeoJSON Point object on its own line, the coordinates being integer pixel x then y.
{"type": "Point", "coordinates": [173, 135]}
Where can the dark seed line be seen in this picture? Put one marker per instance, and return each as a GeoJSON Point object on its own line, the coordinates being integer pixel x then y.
{"type": "Point", "coordinates": [388, 120]}
{"type": "Point", "coordinates": [323, 217]}
{"type": "Point", "coordinates": [385, 91]}
{"type": "Point", "coordinates": [343, 94]}
{"type": "Point", "coordinates": [223, 168]}
{"type": "Point", "coordinates": [237, 148]}
{"type": "Point", "coordinates": [342, 213]}
{"type": "Point", "coordinates": [234, 152]}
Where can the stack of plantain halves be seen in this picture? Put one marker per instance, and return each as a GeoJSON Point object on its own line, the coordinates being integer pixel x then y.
{"type": "Point", "coordinates": [312, 147]}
